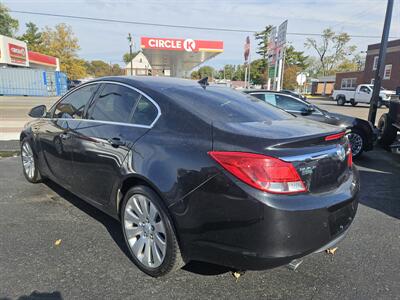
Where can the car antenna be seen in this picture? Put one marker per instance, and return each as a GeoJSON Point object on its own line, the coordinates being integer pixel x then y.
{"type": "Point", "coordinates": [203, 82]}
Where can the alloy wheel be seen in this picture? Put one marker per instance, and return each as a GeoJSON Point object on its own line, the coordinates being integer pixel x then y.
{"type": "Point", "coordinates": [356, 143]}
{"type": "Point", "coordinates": [28, 160]}
{"type": "Point", "coordinates": [145, 231]}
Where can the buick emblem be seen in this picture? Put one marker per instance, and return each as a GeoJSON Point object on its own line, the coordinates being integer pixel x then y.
{"type": "Point", "coordinates": [340, 152]}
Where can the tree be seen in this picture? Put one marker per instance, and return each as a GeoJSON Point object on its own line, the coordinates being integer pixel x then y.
{"type": "Point", "coordinates": [314, 68]}
{"type": "Point", "coordinates": [332, 49]}
{"type": "Point", "coordinates": [256, 71]}
{"type": "Point", "coordinates": [289, 77]}
{"type": "Point", "coordinates": [295, 58]}
{"type": "Point", "coordinates": [295, 62]}
{"type": "Point", "coordinates": [32, 37]}
{"type": "Point", "coordinates": [99, 68]}
{"type": "Point", "coordinates": [117, 70]}
{"type": "Point", "coordinates": [8, 25]}
{"type": "Point", "coordinates": [62, 43]}
{"type": "Point", "coordinates": [226, 72]}
{"type": "Point", "coordinates": [205, 71]}
{"type": "Point", "coordinates": [262, 49]}
{"type": "Point", "coordinates": [127, 56]}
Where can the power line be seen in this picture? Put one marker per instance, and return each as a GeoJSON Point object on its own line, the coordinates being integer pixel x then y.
{"type": "Point", "coordinates": [173, 26]}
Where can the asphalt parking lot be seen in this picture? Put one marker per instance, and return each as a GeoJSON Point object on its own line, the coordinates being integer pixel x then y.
{"type": "Point", "coordinates": [54, 245]}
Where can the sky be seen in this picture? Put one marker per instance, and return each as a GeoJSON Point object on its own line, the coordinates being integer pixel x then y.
{"type": "Point", "coordinates": [108, 42]}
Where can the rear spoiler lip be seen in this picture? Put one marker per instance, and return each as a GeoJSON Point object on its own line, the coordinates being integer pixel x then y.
{"type": "Point", "coordinates": [320, 137]}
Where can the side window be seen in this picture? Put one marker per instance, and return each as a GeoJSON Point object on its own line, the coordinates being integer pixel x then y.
{"type": "Point", "coordinates": [364, 89]}
{"type": "Point", "coordinates": [73, 105]}
{"type": "Point", "coordinates": [288, 103]}
{"type": "Point", "coordinates": [146, 112]}
{"type": "Point", "coordinates": [270, 98]}
{"type": "Point", "coordinates": [259, 96]}
{"type": "Point", "coordinates": [115, 103]}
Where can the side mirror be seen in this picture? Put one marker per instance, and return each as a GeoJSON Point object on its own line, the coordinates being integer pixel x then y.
{"type": "Point", "coordinates": [307, 110]}
{"type": "Point", "coordinates": [38, 111]}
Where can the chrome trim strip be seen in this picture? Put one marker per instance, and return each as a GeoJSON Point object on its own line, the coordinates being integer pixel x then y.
{"type": "Point", "coordinates": [310, 156]}
{"type": "Point", "coordinates": [103, 122]}
{"type": "Point", "coordinates": [110, 122]}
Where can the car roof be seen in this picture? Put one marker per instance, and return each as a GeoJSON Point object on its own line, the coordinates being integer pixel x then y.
{"type": "Point", "coordinates": [152, 82]}
{"type": "Point", "coordinates": [262, 91]}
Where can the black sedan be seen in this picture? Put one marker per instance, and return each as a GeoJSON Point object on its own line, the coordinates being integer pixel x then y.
{"type": "Point", "coordinates": [361, 134]}
{"type": "Point", "coordinates": [196, 172]}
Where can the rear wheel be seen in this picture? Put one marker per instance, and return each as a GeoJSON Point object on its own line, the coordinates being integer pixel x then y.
{"type": "Point", "coordinates": [357, 142]}
{"type": "Point", "coordinates": [149, 233]}
{"type": "Point", "coordinates": [388, 131]}
{"type": "Point", "coordinates": [29, 162]}
{"type": "Point", "coordinates": [341, 100]}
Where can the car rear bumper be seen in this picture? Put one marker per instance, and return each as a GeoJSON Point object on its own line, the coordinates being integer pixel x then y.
{"type": "Point", "coordinates": [246, 229]}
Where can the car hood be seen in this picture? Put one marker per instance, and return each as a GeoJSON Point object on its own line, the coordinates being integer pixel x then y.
{"type": "Point", "coordinates": [387, 92]}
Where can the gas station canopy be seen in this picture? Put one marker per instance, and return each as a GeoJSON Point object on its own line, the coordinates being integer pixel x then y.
{"type": "Point", "coordinates": [176, 57]}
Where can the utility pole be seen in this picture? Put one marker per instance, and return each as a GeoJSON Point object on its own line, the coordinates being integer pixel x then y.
{"type": "Point", "coordinates": [130, 51]}
{"type": "Point", "coordinates": [381, 64]}
{"type": "Point", "coordinates": [248, 73]}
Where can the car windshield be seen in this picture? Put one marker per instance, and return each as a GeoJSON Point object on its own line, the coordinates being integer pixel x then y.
{"type": "Point", "coordinates": [225, 105]}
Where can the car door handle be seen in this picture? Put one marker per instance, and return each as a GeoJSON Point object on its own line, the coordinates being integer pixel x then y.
{"type": "Point", "coordinates": [116, 142]}
{"type": "Point", "coordinates": [65, 136]}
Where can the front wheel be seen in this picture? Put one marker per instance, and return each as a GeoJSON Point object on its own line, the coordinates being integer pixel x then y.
{"type": "Point", "coordinates": [341, 101]}
{"type": "Point", "coordinates": [149, 233]}
{"type": "Point", "coordinates": [29, 162]}
{"type": "Point", "coordinates": [357, 142]}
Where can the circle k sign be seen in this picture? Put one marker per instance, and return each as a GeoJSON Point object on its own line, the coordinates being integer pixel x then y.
{"type": "Point", "coordinates": [189, 45]}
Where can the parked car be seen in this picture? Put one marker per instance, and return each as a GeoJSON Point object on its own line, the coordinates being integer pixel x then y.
{"type": "Point", "coordinates": [73, 83]}
{"type": "Point", "coordinates": [389, 124]}
{"type": "Point", "coordinates": [362, 94]}
{"type": "Point", "coordinates": [361, 133]}
{"type": "Point", "coordinates": [196, 172]}
{"type": "Point", "coordinates": [294, 94]}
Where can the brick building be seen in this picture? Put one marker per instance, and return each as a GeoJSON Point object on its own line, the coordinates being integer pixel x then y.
{"type": "Point", "coordinates": [391, 77]}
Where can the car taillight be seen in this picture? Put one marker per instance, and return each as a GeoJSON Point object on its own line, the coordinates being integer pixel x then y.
{"type": "Point", "coordinates": [262, 172]}
{"type": "Point", "coordinates": [335, 136]}
{"type": "Point", "coordinates": [349, 158]}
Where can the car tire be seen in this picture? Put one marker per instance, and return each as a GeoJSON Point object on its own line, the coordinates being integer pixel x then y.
{"type": "Point", "coordinates": [146, 226]}
{"type": "Point", "coordinates": [341, 101]}
{"type": "Point", "coordinates": [353, 103]}
{"type": "Point", "coordinates": [357, 141]}
{"type": "Point", "coordinates": [388, 131]}
{"type": "Point", "coordinates": [29, 162]}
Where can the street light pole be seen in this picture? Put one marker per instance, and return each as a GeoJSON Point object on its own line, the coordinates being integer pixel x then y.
{"type": "Point", "coordinates": [381, 64]}
{"type": "Point", "coordinates": [130, 51]}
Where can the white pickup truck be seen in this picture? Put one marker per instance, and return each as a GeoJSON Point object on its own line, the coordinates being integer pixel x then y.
{"type": "Point", "coordinates": [362, 94]}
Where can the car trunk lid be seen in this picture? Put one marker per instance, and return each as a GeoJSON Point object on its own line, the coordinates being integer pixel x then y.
{"type": "Point", "coordinates": [319, 152]}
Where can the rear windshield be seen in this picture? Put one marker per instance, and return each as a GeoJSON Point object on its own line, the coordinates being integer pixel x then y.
{"type": "Point", "coordinates": [224, 104]}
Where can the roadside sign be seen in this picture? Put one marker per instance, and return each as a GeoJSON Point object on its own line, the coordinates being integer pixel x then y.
{"type": "Point", "coordinates": [301, 78]}
{"type": "Point", "coordinates": [271, 72]}
{"type": "Point", "coordinates": [271, 46]}
{"type": "Point", "coordinates": [281, 39]}
{"type": "Point", "coordinates": [186, 45]}
{"type": "Point", "coordinates": [247, 49]}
